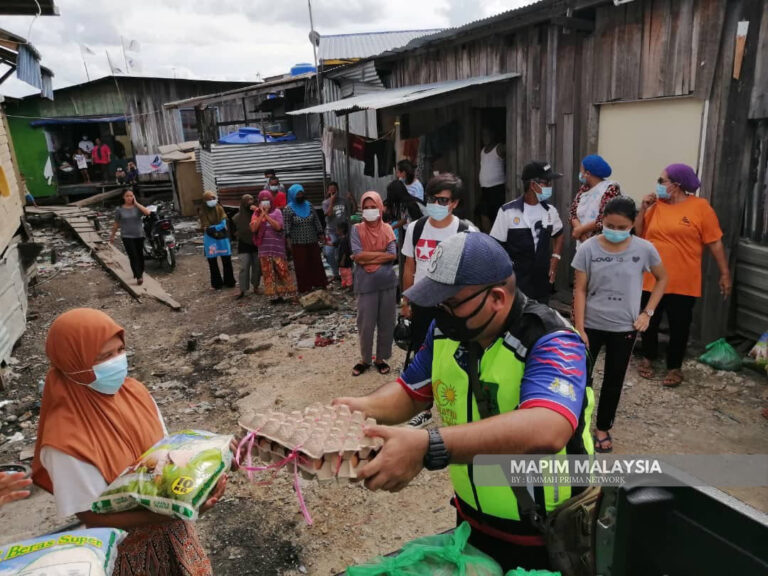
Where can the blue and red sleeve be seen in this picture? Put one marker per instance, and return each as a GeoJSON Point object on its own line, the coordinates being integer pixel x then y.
{"type": "Point", "coordinates": [556, 375]}
{"type": "Point", "coordinates": [417, 378]}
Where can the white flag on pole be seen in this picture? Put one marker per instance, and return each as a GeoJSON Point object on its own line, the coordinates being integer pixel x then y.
{"type": "Point", "coordinates": [133, 46]}
{"type": "Point", "coordinates": [134, 65]}
{"type": "Point", "coordinates": [112, 67]}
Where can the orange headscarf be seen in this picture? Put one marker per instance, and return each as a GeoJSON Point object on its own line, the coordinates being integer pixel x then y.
{"type": "Point", "coordinates": [109, 432]}
{"type": "Point", "coordinates": [374, 236]}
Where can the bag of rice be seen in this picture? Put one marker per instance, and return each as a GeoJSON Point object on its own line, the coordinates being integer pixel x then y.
{"type": "Point", "coordinates": [73, 553]}
{"type": "Point", "coordinates": [174, 477]}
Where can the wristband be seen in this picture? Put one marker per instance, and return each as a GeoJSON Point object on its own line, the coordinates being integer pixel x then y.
{"type": "Point", "coordinates": [557, 256]}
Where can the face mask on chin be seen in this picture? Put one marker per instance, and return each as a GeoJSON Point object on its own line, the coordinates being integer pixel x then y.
{"type": "Point", "coordinates": [455, 327]}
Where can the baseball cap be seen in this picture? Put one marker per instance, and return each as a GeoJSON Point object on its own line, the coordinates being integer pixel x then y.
{"type": "Point", "coordinates": [465, 259]}
{"type": "Point", "coordinates": [539, 171]}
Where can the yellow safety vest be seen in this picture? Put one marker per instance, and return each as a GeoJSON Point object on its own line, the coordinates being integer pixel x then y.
{"type": "Point", "coordinates": [501, 372]}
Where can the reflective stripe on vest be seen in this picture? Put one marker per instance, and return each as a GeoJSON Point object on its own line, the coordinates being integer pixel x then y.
{"type": "Point", "coordinates": [501, 373]}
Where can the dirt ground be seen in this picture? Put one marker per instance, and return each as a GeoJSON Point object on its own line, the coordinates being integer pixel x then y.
{"type": "Point", "coordinates": [203, 380]}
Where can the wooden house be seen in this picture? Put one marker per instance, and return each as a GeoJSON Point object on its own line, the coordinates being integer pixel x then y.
{"type": "Point", "coordinates": [645, 83]}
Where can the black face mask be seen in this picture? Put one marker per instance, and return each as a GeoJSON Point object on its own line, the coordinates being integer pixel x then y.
{"type": "Point", "coordinates": [455, 327]}
{"type": "Point", "coordinates": [299, 198]}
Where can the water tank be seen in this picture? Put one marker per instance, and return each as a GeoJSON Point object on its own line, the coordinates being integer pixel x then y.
{"type": "Point", "coordinates": [302, 68]}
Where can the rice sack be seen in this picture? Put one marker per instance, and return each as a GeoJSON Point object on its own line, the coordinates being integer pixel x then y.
{"type": "Point", "coordinates": [174, 477]}
{"type": "Point", "coordinates": [89, 552]}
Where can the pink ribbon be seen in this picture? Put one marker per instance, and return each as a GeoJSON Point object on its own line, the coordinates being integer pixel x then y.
{"type": "Point", "coordinates": [249, 468]}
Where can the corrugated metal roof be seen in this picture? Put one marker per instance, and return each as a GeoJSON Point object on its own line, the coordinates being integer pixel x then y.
{"type": "Point", "coordinates": [450, 33]}
{"type": "Point", "coordinates": [244, 92]}
{"type": "Point", "coordinates": [351, 46]}
{"type": "Point", "coordinates": [400, 96]}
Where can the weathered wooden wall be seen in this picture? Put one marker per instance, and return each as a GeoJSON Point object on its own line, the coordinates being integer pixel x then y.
{"type": "Point", "coordinates": [646, 49]}
{"type": "Point", "coordinates": [142, 100]}
{"type": "Point", "coordinates": [11, 194]}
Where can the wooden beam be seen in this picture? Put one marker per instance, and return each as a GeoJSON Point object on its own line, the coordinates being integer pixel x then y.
{"type": "Point", "coordinates": [112, 260]}
{"type": "Point", "coordinates": [97, 198]}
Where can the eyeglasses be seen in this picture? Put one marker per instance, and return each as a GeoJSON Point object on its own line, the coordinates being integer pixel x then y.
{"type": "Point", "coordinates": [663, 181]}
{"type": "Point", "coordinates": [450, 308]}
{"type": "Point", "coordinates": [442, 200]}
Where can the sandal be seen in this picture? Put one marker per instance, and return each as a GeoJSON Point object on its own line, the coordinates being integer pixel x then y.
{"type": "Point", "coordinates": [240, 296]}
{"type": "Point", "coordinates": [645, 369]}
{"type": "Point", "coordinates": [599, 443]}
{"type": "Point", "coordinates": [382, 367]}
{"type": "Point", "coordinates": [673, 378]}
{"type": "Point", "coordinates": [359, 368]}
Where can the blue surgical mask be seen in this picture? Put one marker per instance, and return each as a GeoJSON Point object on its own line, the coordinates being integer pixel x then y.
{"type": "Point", "coordinates": [436, 211]}
{"type": "Point", "coordinates": [545, 194]}
{"type": "Point", "coordinates": [661, 191]}
{"type": "Point", "coordinates": [615, 236]}
{"type": "Point", "coordinates": [582, 178]}
{"type": "Point", "coordinates": [110, 375]}
{"type": "Point", "coordinates": [210, 203]}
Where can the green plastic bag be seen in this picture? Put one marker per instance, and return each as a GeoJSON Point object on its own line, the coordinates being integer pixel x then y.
{"type": "Point", "coordinates": [721, 356]}
{"type": "Point", "coordinates": [440, 555]}
{"type": "Point", "coordinates": [523, 572]}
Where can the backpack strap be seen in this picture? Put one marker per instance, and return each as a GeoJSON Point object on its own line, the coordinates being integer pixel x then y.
{"type": "Point", "coordinates": [418, 229]}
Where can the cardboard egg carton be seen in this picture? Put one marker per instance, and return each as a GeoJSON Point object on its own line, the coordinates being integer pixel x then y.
{"type": "Point", "coordinates": [329, 440]}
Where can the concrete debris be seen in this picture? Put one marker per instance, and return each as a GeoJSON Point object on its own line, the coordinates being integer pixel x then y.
{"type": "Point", "coordinates": [318, 300]}
{"type": "Point", "coordinates": [223, 338]}
{"type": "Point", "coordinates": [306, 344]}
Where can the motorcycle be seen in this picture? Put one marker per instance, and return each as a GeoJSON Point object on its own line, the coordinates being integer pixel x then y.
{"type": "Point", "coordinates": [159, 239]}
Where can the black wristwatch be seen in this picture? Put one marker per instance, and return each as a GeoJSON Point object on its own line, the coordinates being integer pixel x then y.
{"type": "Point", "coordinates": [437, 457]}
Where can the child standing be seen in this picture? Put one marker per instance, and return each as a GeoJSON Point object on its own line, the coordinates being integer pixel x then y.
{"type": "Point", "coordinates": [344, 254]}
{"type": "Point", "coordinates": [606, 302]}
{"type": "Point", "coordinates": [82, 165]}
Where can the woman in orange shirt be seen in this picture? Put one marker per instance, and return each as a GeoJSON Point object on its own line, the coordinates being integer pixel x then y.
{"type": "Point", "coordinates": [680, 225]}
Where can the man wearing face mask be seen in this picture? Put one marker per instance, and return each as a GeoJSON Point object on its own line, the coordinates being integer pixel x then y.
{"type": "Point", "coordinates": [508, 375]}
{"type": "Point", "coordinates": [421, 239]}
{"type": "Point", "coordinates": [530, 230]}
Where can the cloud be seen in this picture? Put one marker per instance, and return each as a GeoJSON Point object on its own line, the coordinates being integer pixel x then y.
{"type": "Point", "coordinates": [218, 39]}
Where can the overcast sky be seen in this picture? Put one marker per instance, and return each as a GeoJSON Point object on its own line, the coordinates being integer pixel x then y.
{"type": "Point", "coordinates": [217, 39]}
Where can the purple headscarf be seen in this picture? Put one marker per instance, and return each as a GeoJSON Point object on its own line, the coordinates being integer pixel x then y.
{"type": "Point", "coordinates": [684, 176]}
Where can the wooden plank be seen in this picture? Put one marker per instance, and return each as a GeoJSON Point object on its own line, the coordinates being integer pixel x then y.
{"type": "Point", "coordinates": [655, 45]}
{"type": "Point", "coordinates": [114, 262]}
{"type": "Point", "coordinates": [95, 199]}
{"type": "Point", "coordinates": [711, 21]}
{"type": "Point", "coordinates": [678, 63]}
{"type": "Point", "coordinates": [758, 106]}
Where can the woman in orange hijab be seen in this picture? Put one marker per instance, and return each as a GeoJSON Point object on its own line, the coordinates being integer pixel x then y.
{"type": "Point", "coordinates": [374, 250]}
{"type": "Point", "coordinates": [94, 422]}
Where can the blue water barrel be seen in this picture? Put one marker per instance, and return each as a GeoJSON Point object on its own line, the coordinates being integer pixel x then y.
{"type": "Point", "coordinates": [302, 68]}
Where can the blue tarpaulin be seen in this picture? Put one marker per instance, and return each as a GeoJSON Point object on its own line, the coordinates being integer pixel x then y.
{"type": "Point", "coordinates": [77, 120]}
{"type": "Point", "coordinates": [253, 136]}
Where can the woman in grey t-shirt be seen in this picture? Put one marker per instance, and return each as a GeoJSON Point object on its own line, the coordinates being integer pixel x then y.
{"type": "Point", "coordinates": [606, 302]}
{"type": "Point", "coordinates": [128, 220]}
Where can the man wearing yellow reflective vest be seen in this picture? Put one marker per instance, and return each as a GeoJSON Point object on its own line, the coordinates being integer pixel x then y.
{"type": "Point", "coordinates": [529, 370]}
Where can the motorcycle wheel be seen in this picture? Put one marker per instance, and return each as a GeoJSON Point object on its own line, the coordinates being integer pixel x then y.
{"type": "Point", "coordinates": [170, 258]}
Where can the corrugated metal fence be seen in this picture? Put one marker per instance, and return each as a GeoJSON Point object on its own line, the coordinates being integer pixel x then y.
{"type": "Point", "coordinates": [751, 279]}
{"type": "Point", "coordinates": [243, 165]}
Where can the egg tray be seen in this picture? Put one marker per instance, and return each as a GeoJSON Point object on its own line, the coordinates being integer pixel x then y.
{"type": "Point", "coordinates": [329, 441]}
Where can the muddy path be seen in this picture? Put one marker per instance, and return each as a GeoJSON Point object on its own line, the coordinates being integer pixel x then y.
{"type": "Point", "coordinates": [218, 358]}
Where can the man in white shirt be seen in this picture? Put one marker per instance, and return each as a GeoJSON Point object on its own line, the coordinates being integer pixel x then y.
{"type": "Point", "coordinates": [492, 177]}
{"type": "Point", "coordinates": [422, 237]}
{"type": "Point", "coordinates": [531, 231]}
